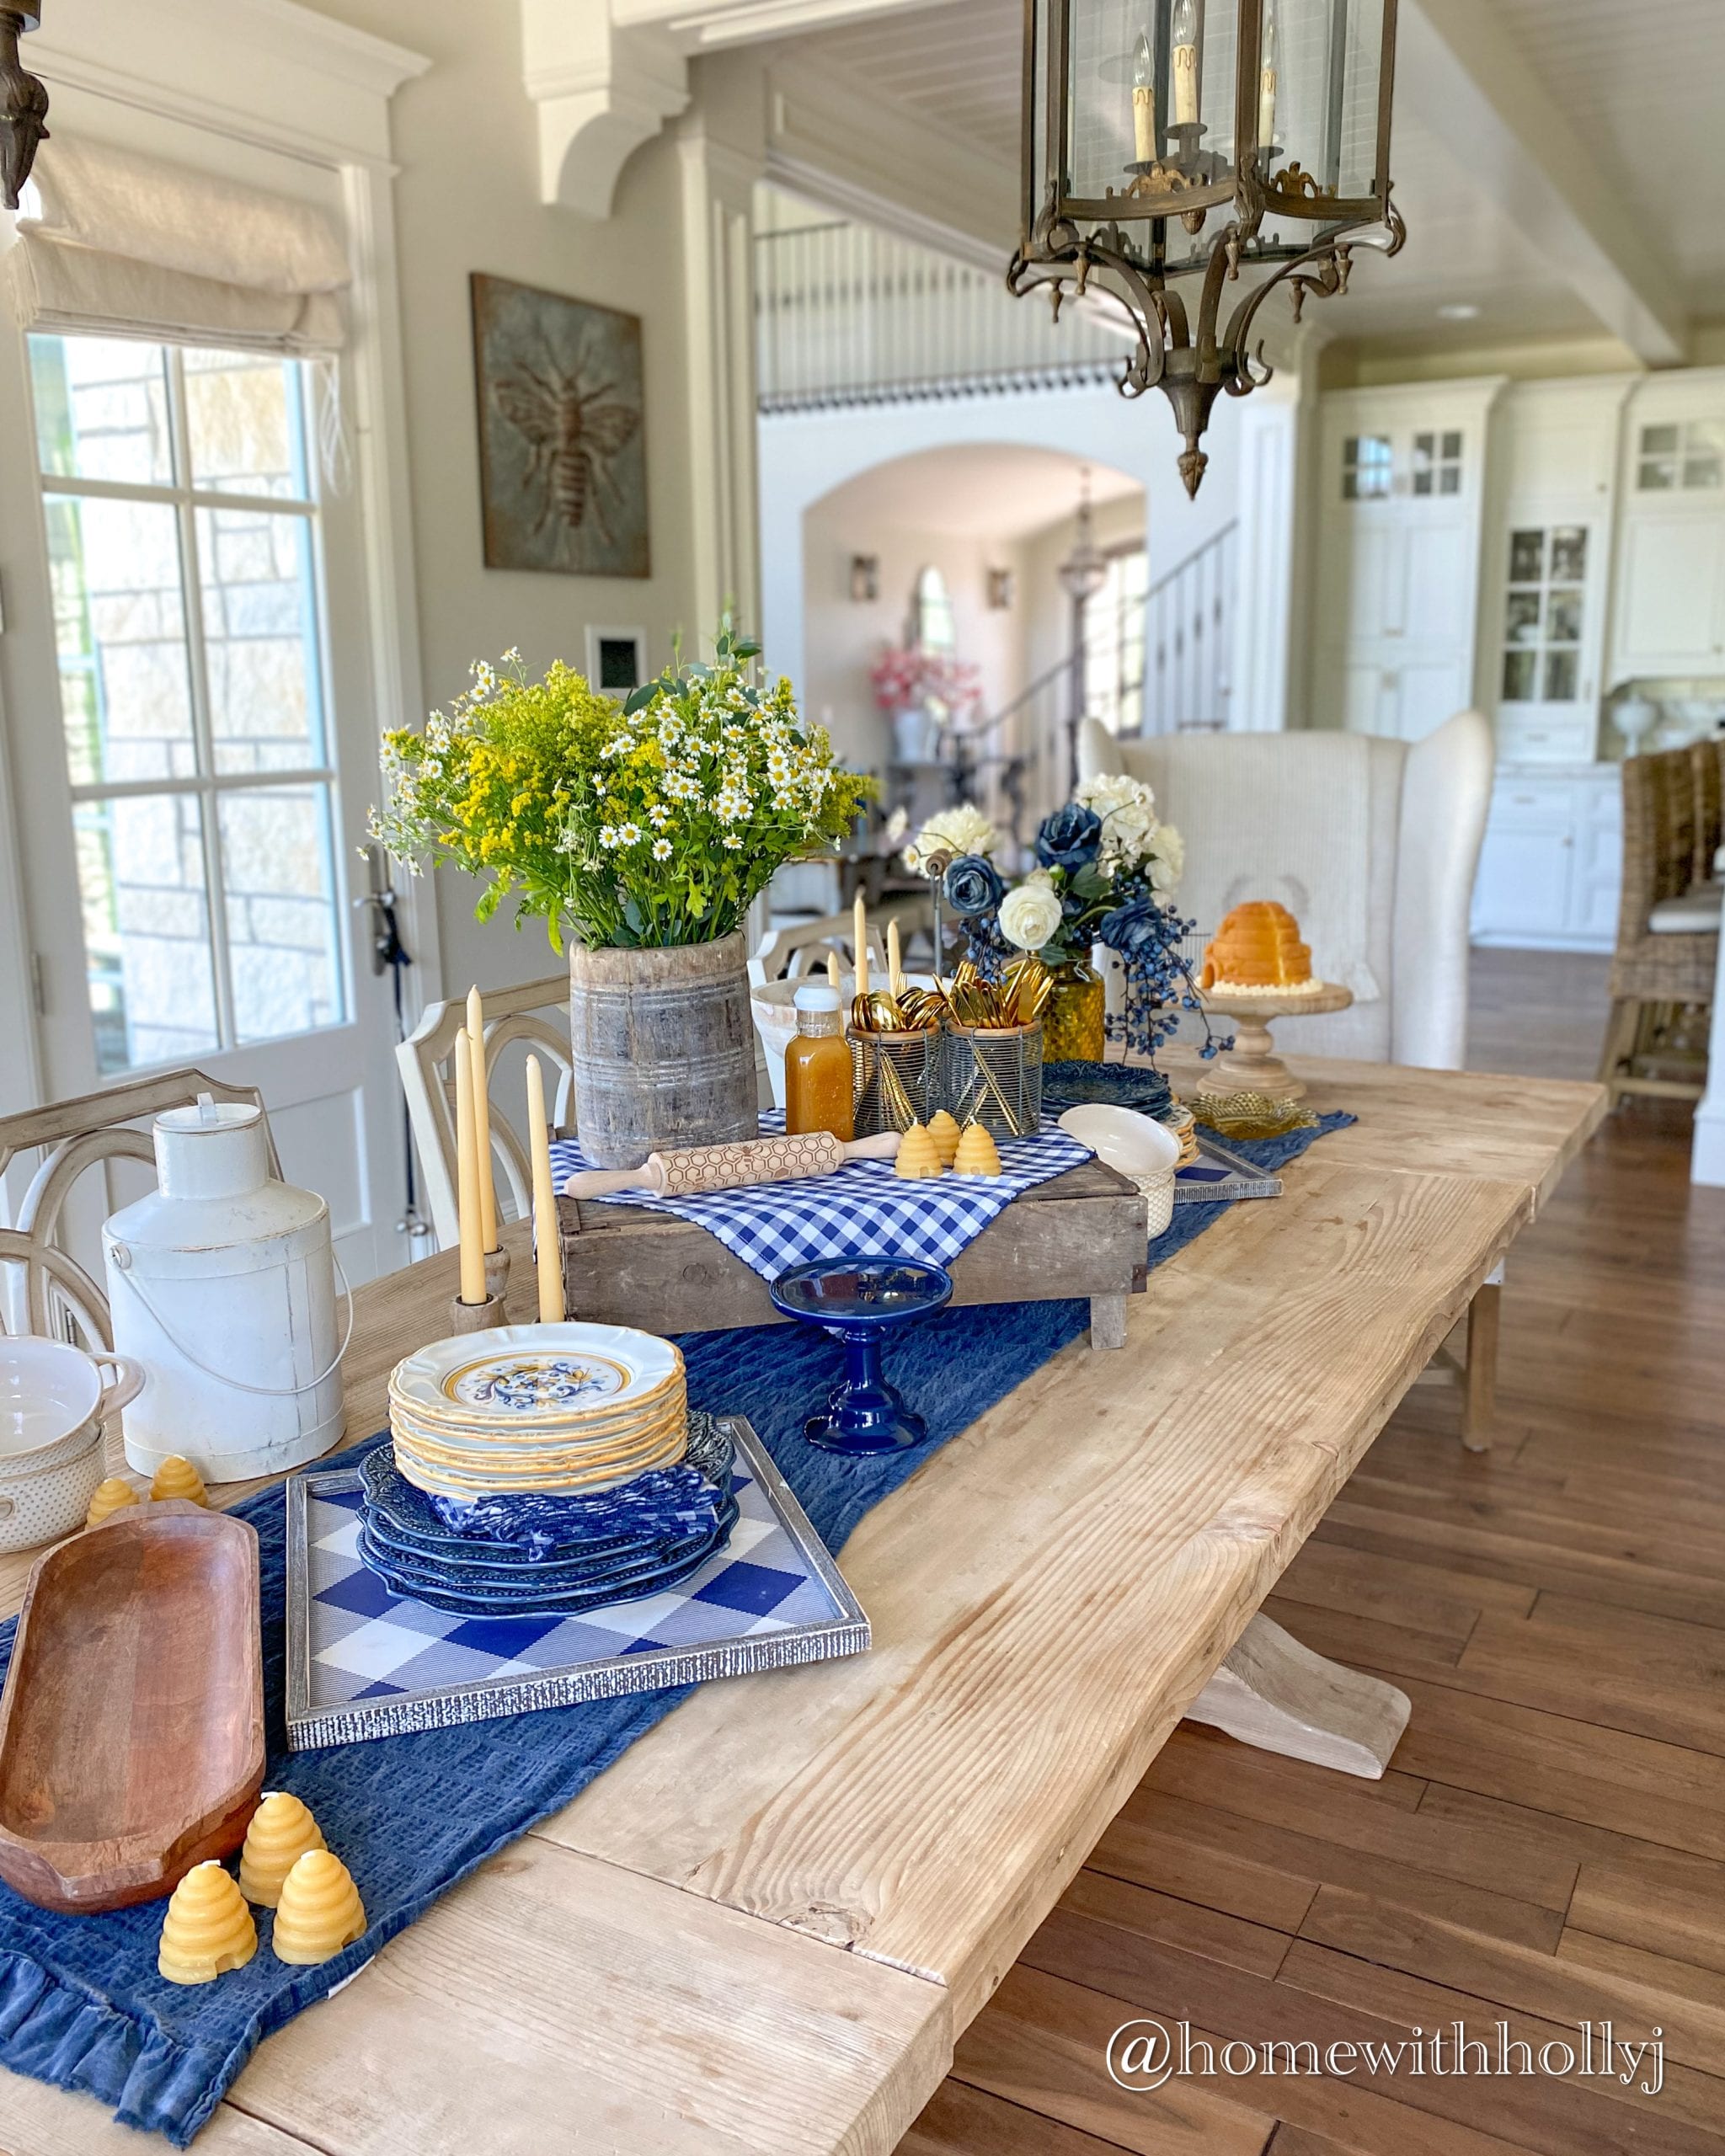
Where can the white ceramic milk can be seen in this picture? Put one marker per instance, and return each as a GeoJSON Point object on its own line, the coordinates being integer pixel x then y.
{"type": "Point", "coordinates": [222, 1284]}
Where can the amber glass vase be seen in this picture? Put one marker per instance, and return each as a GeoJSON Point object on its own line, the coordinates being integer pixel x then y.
{"type": "Point", "coordinates": [1073, 1028]}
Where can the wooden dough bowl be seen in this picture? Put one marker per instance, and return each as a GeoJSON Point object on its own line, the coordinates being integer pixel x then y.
{"type": "Point", "coordinates": [131, 1732]}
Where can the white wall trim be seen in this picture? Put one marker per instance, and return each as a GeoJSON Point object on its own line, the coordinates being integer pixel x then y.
{"type": "Point", "coordinates": [1708, 1155]}
{"type": "Point", "coordinates": [265, 72]}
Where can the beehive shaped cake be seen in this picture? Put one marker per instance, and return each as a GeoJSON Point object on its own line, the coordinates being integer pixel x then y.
{"type": "Point", "coordinates": [319, 1912]}
{"type": "Point", "coordinates": [1258, 947]}
{"type": "Point", "coordinates": [207, 1929]}
{"type": "Point", "coordinates": [282, 1832]}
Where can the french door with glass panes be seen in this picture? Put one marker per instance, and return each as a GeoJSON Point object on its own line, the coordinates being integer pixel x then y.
{"type": "Point", "coordinates": [1547, 680]}
{"type": "Point", "coordinates": [193, 748]}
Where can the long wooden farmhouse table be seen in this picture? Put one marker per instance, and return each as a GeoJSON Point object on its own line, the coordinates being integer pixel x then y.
{"type": "Point", "coordinates": [761, 1930]}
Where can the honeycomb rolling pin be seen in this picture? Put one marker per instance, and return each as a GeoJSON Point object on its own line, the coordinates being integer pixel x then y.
{"type": "Point", "coordinates": [728, 1167]}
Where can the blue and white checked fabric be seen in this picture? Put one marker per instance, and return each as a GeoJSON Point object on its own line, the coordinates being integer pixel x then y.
{"type": "Point", "coordinates": [860, 1210]}
{"type": "Point", "coordinates": [369, 1643]}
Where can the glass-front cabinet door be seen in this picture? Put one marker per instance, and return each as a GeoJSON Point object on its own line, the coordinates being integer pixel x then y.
{"type": "Point", "coordinates": [1548, 662]}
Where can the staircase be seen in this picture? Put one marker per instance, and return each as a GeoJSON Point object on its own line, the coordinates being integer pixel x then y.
{"type": "Point", "coordinates": [1189, 620]}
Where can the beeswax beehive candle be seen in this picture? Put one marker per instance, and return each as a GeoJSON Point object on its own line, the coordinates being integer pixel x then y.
{"type": "Point", "coordinates": [319, 1912]}
{"type": "Point", "coordinates": [178, 1478]}
{"type": "Point", "coordinates": [282, 1832]}
{"type": "Point", "coordinates": [944, 1131]}
{"type": "Point", "coordinates": [977, 1154]}
{"type": "Point", "coordinates": [111, 1497]}
{"type": "Point", "coordinates": [207, 1928]}
{"type": "Point", "coordinates": [919, 1156]}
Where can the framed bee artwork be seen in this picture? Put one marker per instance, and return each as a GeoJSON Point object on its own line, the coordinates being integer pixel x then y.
{"type": "Point", "coordinates": [562, 461]}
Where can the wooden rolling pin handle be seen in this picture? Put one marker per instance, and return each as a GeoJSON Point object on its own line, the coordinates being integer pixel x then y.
{"type": "Point", "coordinates": [729, 1167]}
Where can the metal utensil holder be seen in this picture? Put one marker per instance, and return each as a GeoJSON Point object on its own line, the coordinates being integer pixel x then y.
{"type": "Point", "coordinates": [994, 1077]}
{"type": "Point", "coordinates": [894, 1079]}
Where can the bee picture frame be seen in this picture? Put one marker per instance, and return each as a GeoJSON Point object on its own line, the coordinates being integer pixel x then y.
{"type": "Point", "coordinates": [562, 461]}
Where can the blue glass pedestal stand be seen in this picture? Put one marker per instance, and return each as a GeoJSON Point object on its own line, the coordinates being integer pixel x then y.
{"type": "Point", "coordinates": [858, 1300]}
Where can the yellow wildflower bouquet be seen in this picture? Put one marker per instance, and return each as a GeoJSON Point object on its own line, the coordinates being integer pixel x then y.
{"type": "Point", "coordinates": [645, 825]}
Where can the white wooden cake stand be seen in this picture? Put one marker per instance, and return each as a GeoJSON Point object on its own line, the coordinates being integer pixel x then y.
{"type": "Point", "coordinates": [1250, 1066]}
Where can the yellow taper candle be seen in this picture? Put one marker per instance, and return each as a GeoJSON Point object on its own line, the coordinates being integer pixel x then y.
{"type": "Point", "coordinates": [468, 1176]}
{"type": "Point", "coordinates": [547, 1251]}
{"type": "Point", "coordinates": [859, 936]}
{"type": "Point", "coordinates": [834, 975]}
{"type": "Point", "coordinates": [894, 970]}
{"type": "Point", "coordinates": [482, 1122]}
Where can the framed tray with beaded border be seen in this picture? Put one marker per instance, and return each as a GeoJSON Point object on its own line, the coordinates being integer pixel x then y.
{"type": "Point", "coordinates": [362, 1663]}
{"type": "Point", "coordinates": [1218, 1175]}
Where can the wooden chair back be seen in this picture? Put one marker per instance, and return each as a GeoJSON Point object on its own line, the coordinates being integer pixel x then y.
{"type": "Point", "coordinates": [519, 1015]}
{"type": "Point", "coordinates": [1659, 825]}
{"type": "Point", "coordinates": [789, 952]}
{"type": "Point", "coordinates": [75, 1137]}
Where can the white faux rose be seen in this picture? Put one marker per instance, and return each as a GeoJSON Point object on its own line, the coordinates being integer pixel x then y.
{"type": "Point", "coordinates": [1029, 916]}
{"type": "Point", "coordinates": [962, 830]}
{"type": "Point", "coordinates": [1169, 865]}
{"type": "Point", "coordinates": [1127, 808]}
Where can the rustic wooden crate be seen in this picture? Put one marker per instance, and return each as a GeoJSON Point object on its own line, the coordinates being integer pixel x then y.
{"type": "Point", "coordinates": [1083, 1233]}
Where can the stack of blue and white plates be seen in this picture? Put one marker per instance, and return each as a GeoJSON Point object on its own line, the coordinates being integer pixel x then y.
{"type": "Point", "coordinates": [543, 1469]}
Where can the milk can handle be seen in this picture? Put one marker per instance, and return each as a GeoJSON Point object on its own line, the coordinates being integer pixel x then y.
{"type": "Point", "coordinates": [265, 1391]}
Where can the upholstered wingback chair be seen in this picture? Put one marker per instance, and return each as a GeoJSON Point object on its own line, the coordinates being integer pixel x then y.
{"type": "Point", "coordinates": [1371, 843]}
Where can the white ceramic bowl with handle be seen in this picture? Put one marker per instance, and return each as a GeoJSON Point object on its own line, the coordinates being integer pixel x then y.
{"type": "Point", "coordinates": [54, 1399]}
{"type": "Point", "coordinates": [1135, 1146]}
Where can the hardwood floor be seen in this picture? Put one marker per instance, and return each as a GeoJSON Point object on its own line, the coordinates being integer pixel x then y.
{"type": "Point", "coordinates": [1548, 1848]}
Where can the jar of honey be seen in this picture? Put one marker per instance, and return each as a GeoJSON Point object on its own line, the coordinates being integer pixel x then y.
{"type": "Point", "coordinates": [818, 1068]}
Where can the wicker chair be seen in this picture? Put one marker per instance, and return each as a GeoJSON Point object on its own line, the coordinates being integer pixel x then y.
{"type": "Point", "coordinates": [1708, 764]}
{"type": "Point", "coordinates": [1663, 972]}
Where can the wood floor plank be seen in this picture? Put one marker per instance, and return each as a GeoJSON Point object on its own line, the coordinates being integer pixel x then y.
{"type": "Point", "coordinates": [1040, 2042]}
{"type": "Point", "coordinates": [1509, 1856]}
{"type": "Point", "coordinates": [1542, 1983]}
{"type": "Point", "coordinates": [1417, 1597]}
{"type": "Point", "coordinates": [961, 2120]}
{"type": "Point", "coordinates": [1554, 2117]}
{"type": "Point", "coordinates": [1151, 1819]}
{"type": "Point", "coordinates": [1680, 2092]}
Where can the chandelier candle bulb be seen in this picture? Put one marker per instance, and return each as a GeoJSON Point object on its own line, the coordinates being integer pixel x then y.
{"type": "Point", "coordinates": [1184, 68]}
{"type": "Point", "coordinates": [1144, 102]}
{"type": "Point", "coordinates": [546, 1247]}
{"type": "Point", "coordinates": [472, 1252]}
{"type": "Point", "coordinates": [482, 1122]}
{"type": "Point", "coordinates": [1269, 58]}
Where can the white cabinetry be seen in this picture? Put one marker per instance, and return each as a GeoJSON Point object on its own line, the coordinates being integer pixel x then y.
{"type": "Point", "coordinates": [1551, 483]}
{"type": "Point", "coordinates": [1550, 871]}
{"type": "Point", "coordinates": [1403, 476]}
{"type": "Point", "coordinates": [1669, 614]}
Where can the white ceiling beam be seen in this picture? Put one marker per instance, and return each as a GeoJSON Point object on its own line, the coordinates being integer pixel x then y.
{"type": "Point", "coordinates": [1461, 69]}
{"type": "Point", "coordinates": [836, 140]}
{"type": "Point", "coordinates": [702, 25]}
{"type": "Point", "coordinates": [601, 91]}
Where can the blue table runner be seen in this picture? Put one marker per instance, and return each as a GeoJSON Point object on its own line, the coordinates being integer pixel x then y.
{"type": "Point", "coordinates": [81, 2004]}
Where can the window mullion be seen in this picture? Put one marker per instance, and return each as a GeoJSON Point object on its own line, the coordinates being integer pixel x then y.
{"type": "Point", "coordinates": [215, 898]}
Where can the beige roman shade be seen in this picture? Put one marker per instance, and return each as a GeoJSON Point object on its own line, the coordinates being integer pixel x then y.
{"type": "Point", "coordinates": [115, 243]}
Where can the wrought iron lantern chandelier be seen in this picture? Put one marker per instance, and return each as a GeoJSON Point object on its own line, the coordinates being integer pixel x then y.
{"type": "Point", "coordinates": [23, 103]}
{"type": "Point", "coordinates": [1237, 143]}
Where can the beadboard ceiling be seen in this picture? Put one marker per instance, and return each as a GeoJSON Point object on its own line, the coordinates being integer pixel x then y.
{"type": "Point", "coordinates": [1637, 80]}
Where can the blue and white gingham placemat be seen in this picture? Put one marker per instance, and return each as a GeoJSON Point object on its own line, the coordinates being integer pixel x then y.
{"type": "Point", "coordinates": [368, 1644]}
{"type": "Point", "coordinates": [860, 1210]}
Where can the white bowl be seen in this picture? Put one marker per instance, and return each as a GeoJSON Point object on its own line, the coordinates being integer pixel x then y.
{"type": "Point", "coordinates": [1135, 1146]}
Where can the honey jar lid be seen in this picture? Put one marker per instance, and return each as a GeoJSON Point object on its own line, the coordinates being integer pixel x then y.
{"type": "Point", "coordinates": [816, 999]}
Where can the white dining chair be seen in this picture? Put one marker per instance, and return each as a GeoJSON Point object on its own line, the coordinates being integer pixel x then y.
{"type": "Point", "coordinates": [534, 1017]}
{"type": "Point", "coordinates": [1372, 844]}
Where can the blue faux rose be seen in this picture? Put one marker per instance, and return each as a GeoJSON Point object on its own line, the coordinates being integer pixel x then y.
{"type": "Point", "coordinates": [1134, 930]}
{"type": "Point", "coordinates": [1070, 839]}
{"type": "Point", "coordinates": [973, 886]}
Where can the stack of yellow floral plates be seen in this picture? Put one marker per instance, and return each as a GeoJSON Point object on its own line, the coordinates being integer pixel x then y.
{"type": "Point", "coordinates": [538, 1409]}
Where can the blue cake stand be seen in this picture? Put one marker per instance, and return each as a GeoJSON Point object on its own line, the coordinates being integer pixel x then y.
{"type": "Point", "coordinates": [858, 1299]}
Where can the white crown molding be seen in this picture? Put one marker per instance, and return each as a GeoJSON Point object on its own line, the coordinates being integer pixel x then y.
{"type": "Point", "coordinates": [705, 25]}
{"type": "Point", "coordinates": [265, 70]}
{"type": "Point", "coordinates": [600, 92]}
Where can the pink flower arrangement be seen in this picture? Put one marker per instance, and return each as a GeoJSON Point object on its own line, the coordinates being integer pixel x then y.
{"type": "Point", "coordinates": [902, 678]}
